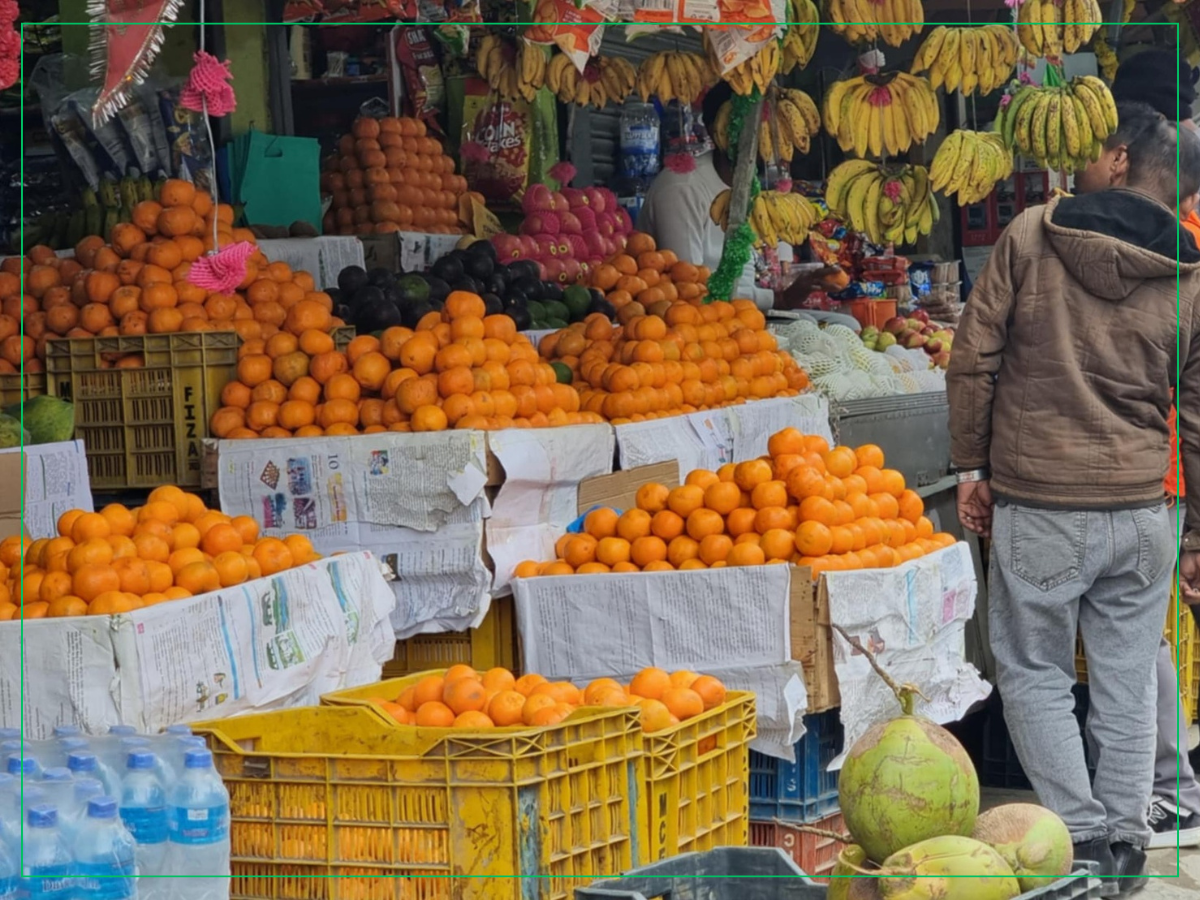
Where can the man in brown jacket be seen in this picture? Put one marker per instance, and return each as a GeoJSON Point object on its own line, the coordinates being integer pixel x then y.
{"type": "Point", "coordinates": [1059, 390]}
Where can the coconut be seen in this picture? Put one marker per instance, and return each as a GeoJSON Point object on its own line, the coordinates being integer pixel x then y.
{"type": "Point", "coordinates": [947, 868]}
{"type": "Point", "coordinates": [1033, 841]}
{"type": "Point", "coordinates": [850, 878]}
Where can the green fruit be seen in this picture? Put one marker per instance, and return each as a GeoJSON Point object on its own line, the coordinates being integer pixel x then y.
{"type": "Point", "coordinates": [1031, 839]}
{"type": "Point", "coordinates": [577, 300]}
{"type": "Point", "coordinates": [562, 372]}
{"type": "Point", "coordinates": [947, 868]}
{"type": "Point", "coordinates": [537, 311]}
{"type": "Point", "coordinates": [556, 309]}
{"type": "Point", "coordinates": [11, 433]}
{"type": "Point", "coordinates": [46, 418]}
{"type": "Point", "coordinates": [905, 781]}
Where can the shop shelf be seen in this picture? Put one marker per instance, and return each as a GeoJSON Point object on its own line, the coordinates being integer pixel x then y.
{"type": "Point", "coordinates": [17, 388]}
{"type": "Point", "coordinates": [728, 873]}
{"type": "Point", "coordinates": [493, 643]}
{"type": "Point", "coordinates": [143, 427]}
{"type": "Point", "coordinates": [695, 789]}
{"type": "Point", "coordinates": [814, 854]}
{"type": "Point", "coordinates": [327, 804]}
{"type": "Point", "coordinates": [801, 791]}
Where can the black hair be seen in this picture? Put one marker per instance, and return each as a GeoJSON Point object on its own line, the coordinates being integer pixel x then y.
{"type": "Point", "coordinates": [1160, 78]}
{"type": "Point", "coordinates": [1133, 118]}
{"type": "Point", "coordinates": [714, 99]}
{"type": "Point", "coordinates": [1165, 161]}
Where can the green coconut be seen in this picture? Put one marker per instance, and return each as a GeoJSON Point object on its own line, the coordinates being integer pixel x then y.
{"type": "Point", "coordinates": [947, 868]}
{"type": "Point", "coordinates": [1033, 841]}
{"type": "Point", "coordinates": [849, 879]}
{"type": "Point", "coordinates": [904, 781]}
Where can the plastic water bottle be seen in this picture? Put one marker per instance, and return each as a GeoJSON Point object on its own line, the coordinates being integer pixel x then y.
{"type": "Point", "coordinates": [639, 139]}
{"type": "Point", "coordinates": [10, 734]}
{"type": "Point", "coordinates": [108, 746]}
{"type": "Point", "coordinates": [88, 765]}
{"type": "Point", "coordinates": [178, 750]}
{"type": "Point", "coordinates": [26, 767]}
{"type": "Point", "coordinates": [10, 813]}
{"type": "Point", "coordinates": [59, 789]}
{"type": "Point", "coordinates": [86, 790]}
{"type": "Point", "coordinates": [9, 882]}
{"type": "Point", "coordinates": [48, 868]}
{"type": "Point", "coordinates": [199, 829]}
{"type": "Point", "coordinates": [105, 854]}
{"type": "Point", "coordinates": [144, 812]}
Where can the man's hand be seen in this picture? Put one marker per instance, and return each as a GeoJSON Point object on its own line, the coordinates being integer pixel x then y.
{"type": "Point", "coordinates": [798, 291]}
{"type": "Point", "coordinates": [1189, 577]}
{"type": "Point", "coordinates": [975, 505]}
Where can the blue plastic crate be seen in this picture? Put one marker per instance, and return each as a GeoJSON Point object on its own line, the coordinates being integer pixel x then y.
{"type": "Point", "coordinates": [802, 791]}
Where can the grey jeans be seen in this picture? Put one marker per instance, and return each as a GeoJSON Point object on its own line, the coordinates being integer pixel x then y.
{"type": "Point", "coordinates": [1107, 575]}
{"type": "Point", "coordinates": [1174, 778]}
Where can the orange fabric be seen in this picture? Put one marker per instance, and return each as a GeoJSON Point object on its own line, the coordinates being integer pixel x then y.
{"type": "Point", "coordinates": [1175, 490]}
{"type": "Point", "coordinates": [1192, 224]}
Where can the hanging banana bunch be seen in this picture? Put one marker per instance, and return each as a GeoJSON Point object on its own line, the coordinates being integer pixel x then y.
{"type": "Point", "coordinates": [967, 59]}
{"type": "Point", "coordinates": [874, 114]}
{"type": "Point", "coordinates": [790, 121]}
{"type": "Point", "coordinates": [674, 75]}
{"type": "Point", "coordinates": [1062, 127]}
{"type": "Point", "coordinates": [801, 39]}
{"type": "Point", "coordinates": [887, 204]}
{"type": "Point", "coordinates": [1049, 29]}
{"type": "Point", "coordinates": [514, 70]}
{"type": "Point", "coordinates": [868, 20]}
{"type": "Point", "coordinates": [774, 216]}
{"type": "Point", "coordinates": [603, 80]}
{"type": "Point", "coordinates": [970, 164]}
{"type": "Point", "coordinates": [756, 72]}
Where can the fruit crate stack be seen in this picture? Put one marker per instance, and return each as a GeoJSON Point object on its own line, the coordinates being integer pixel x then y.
{"type": "Point", "coordinates": [18, 387]}
{"type": "Point", "coordinates": [784, 794]}
{"type": "Point", "coordinates": [492, 644]}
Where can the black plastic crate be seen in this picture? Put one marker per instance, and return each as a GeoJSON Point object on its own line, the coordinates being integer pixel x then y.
{"type": "Point", "coordinates": [997, 761]}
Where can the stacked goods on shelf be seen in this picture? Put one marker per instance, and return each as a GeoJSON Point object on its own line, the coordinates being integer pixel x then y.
{"type": "Point", "coordinates": [466, 698]}
{"type": "Point", "coordinates": [389, 175]}
{"type": "Point", "coordinates": [802, 503]}
{"type": "Point", "coordinates": [122, 559]}
{"type": "Point", "coordinates": [565, 231]}
{"type": "Point", "coordinates": [460, 367]}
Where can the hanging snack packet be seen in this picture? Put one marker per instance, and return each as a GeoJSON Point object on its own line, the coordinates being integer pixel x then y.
{"type": "Point", "coordinates": [108, 136]}
{"type": "Point", "coordinates": [497, 143]}
{"type": "Point", "coordinates": [191, 155]}
{"type": "Point", "coordinates": [424, 87]}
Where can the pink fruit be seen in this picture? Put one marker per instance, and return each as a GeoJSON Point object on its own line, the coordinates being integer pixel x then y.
{"type": "Point", "coordinates": [541, 223]}
{"type": "Point", "coordinates": [579, 247]}
{"type": "Point", "coordinates": [508, 246]}
{"type": "Point", "coordinates": [587, 218]}
{"type": "Point", "coordinates": [555, 270]}
{"type": "Point", "coordinates": [547, 246]}
{"type": "Point", "coordinates": [538, 198]}
{"type": "Point", "coordinates": [529, 246]}
{"type": "Point", "coordinates": [596, 199]}
{"type": "Point", "coordinates": [564, 246]}
{"type": "Point", "coordinates": [576, 197]}
{"type": "Point", "coordinates": [560, 202]}
{"type": "Point", "coordinates": [895, 325]}
{"type": "Point", "coordinates": [596, 244]}
{"type": "Point", "coordinates": [571, 270]}
{"type": "Point", "coordinates": [568, 223]}
{"type": "Point", "coordinates": [624, 222]}
{"type": "Point", "coordinates": [606, 223]}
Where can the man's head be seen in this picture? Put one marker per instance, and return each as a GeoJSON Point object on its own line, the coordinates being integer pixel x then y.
{"type": "Point", "coordinates": [1164, 161]}
{"type": "Point", "coordinates": [1160, 79]}
{"type": "Point", "coordinates": [1112, 168]}
{"type": "Point", "coordinates": [714, 99]}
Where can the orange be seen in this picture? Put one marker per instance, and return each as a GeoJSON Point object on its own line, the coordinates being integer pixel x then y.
{"type": "Point", "coordinates": [840, 462]}
{"type": "Point", "coordinates": [667, 524]}
{"type": "Point", "coordinates": [526, 683]}
{"type": "Point", "coordinates": [787, 441]}
{"type": "Point", "coordinates": [805, 481]}
{"type": "Point", "coordinates": [710, 690]}
{"type": "Point", "coordinates": [813, 539]}
{"type": "Point", "coordinates": [434, 714]}
{"type": "Point", "coordinates": [869, 455]}
{"type": "Point", "coordinates": [473, 720]}
{"type": "Point", "coordinates": [654, 716]}
{"type": "Point", "coordinates": [893, 482]}
{"type": "Point", "coordinates": [428, 689]}
{"type": "Point", "coordinates": [498, 679]}
{"type": "Point", "coordinates": [506, 708]}
{"type": "Point", "coordinates": [683, 703]}
{"type": "Point", "coordinates": [89, 526]}
{"type": "Point", "coordinates": [579, 550]}
{"type": "Point", "coordinates": [684, 500]}
{"type": "Point", "coordinates": [652, 497]}
{"type": "Point", "coordinates": [777, 543]}
{"type": "Point", "coordinates": [198, 577]}
{"type": "Point", "coordinates": [535, 704]}
{"type": "Point", "coordinates": [651, 548]}
{"type": "Point", "coordinates": [715, 548]}
{"type": "Point", "coordinates": [219, 539]}
{"type": "Point", "coordinates": [818, 509]}
{"type": "Point", "coordinates": [273, 556]}
{"type": "Point", "coordinates": [682, 549]}
{"type": "Point", "coordinates": [89, 582]}
{"type": "Point", "coordinates": [633, 524]}
{"type": "Point", "coordinates": [464, 695]}
{"type": "Point", "coordinates": [702, 523]}
{"type": "Point", "coordinates": [910, 506]}
{"type": "Point", "coordinates": [752, 472]}
{"type": "Point", "coordinates": [120, 519]}
{"type": "Point", "coordinates": [746, 554]}
{"type": "Point", "coordinates": [741, 521]}
{"type": "Point", "coordinates": [769, 493]}
{"type": "Point", "coordinates": [650, 683]}
{"type": "Point", "coordinates": [601, 523]}
{"type": "Point", "coordinates": [65, 606]}
{"type": "Point", "coordinates": [722, 497]}
{"type": "Point", "coordinates": [612, 551]}
{"type": "Point", "coordinates": [231, 568]}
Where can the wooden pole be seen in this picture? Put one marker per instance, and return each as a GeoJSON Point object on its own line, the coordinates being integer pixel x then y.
{"type": "Point", "coordinates": [743, 170]}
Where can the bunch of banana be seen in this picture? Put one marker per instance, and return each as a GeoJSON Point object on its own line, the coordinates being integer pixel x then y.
{"type": "Point", "coordinates": [756, 72]}
{"type": "Point", "coordinates": [801, 38]}
{"type": "Point", "coordinates": [790, 121]}
{"type": "Point", "coordinates": [674, 75]}
{"type": "Point", "coordinates": [1061, 127]}
{"type": "Point", "coordinates": [514, 71]}
{"type": "Point", "coordinates": [868, 20]}
{"type": "Point", "coordinates": [1048, 28]}
{"type": "Point", "coordinates": [774, 216]}
{"type": "Point", "coordinates": [967, 59]}
{"type": "Point", "coordinates": [893, 204]}
{"type": "Point", "coordinates": [602, 80]}
{"type": "Point", "coordinates": [878, 113]}
{"type": "Point", "coordinates": [970, 163]}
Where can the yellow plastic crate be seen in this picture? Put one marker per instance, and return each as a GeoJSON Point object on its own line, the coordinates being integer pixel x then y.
{"type": "Point", "coordinates": [493, 643]}
{"type": "Point", "coordinates": [18, 388]}
{"type": "Point", "coordinates": [327, 803]}
{"type": "Point", "coordinates": [143, 427]}
{"type": "Point", "coordinates": [697, 795]}
{"type": "Point", "coordinates": [1180, 632]}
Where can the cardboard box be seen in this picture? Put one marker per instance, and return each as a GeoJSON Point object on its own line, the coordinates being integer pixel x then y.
{"type": "Point", "coordinates": [12, 477]}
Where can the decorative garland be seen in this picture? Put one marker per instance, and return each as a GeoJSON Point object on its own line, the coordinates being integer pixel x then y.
{"type": "Point", "coordinates": [10, 44]}
{"type": "Point", "coordinates": [740, 241]}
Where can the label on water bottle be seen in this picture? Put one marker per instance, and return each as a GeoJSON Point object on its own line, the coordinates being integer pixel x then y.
{"type": "Point", "coordinates": [49, 883]}
{"type": "Point", "coordinates": [200, 826]}
{"type": "Point", "coordinates": [8, 888]}
{"type": "Point", "coordinates": [107, 881]}
{"type": "Point", "coordinates": [147, 824]}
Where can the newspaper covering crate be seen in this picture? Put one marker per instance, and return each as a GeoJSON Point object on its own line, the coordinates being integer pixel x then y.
{"type": "Point", "coordinates": [330, 803]}
{"type": "Point", "coordinates": [143, 426]}
{"type": "Point", "coordinates": [55, 479]}
{"type": "Point", "coordinates": [815, 854]}
{"type": "Point", "coordinates": [493, 643]}
{"type": "Point", "coordinates": [16, 388]}
{"type": "Point", "coordinates": [804, 790]}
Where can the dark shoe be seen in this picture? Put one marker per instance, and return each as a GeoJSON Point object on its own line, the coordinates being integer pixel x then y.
{"type": "Point", "coordinates": [1099, 852]}
{"type": "Point", "coordinates": [1130, 868]}
{"type": "Point", "coordinates": [1171, 826]}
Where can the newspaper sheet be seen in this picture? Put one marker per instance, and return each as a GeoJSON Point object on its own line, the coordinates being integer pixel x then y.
{"type": "Point", "coordinates": [915, 625]}
{"type": "Point", "coordinates": [56, 480]}
{"type": "Point", "coordinates": [733, 623]}
{"type": "Point", "coordinates": [322, 257]}
{"type": "Point", "coordinates": [539, 498]}
{"type": "Point", "coordinates": [711, 438]}
{"type": "Point", "coordinates": [271, 643]}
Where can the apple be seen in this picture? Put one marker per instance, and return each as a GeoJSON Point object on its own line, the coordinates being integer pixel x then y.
{"type": "Point", "coordinates": [942, 360]}
{"type": "Point", "coordinates": [934, 346]}
{"type": "Point", "coordinates": [921, 314]}
{"type": "Point", "coordinates": [914, 340]}
{"type": "Point", "coordinates": [915, 324]}
{"type": "Point", "coordinates": [887, 339]}
{"type": "Point", "coordinates": [895, 325]}
{"type": "Point", "coordinates": [869, 331]}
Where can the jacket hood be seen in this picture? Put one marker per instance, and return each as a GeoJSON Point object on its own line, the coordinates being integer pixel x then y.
{"type": "Point", "coordinates": [1111, 241]}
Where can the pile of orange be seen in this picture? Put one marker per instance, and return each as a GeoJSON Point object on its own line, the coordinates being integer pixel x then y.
{"type": "Point", "coordinates": [803, 503]}
{"type": "Point", "coordinates": [136, 283]}
{"type": "Point", "coordinates": [459, 368]}
{"type": "Point", "coordinates": [120, 559]}
{"type": "Point", "coordinates": [465, 698]}
{"type": "Point", "coordinates": [389, 175]}
{"type": "Point", "coordinates": [641, 278]}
